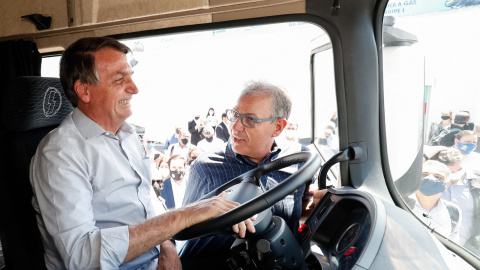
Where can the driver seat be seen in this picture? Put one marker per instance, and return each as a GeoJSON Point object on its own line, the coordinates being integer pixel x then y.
{"type": "Point", "coordinates": [32, 107]}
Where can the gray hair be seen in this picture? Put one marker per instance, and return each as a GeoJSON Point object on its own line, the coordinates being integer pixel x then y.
{"type": "Point", "coordinates": [208, 130]}
{"type": "Point", "coordinates": [281, 102]}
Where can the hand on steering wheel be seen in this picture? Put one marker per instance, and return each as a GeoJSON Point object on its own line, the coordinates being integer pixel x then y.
{"type": "Point", "coordinates": [252, 198]}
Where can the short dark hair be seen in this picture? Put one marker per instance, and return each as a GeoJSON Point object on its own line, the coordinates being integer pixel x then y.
{"type": "Point", "coordinates": [461, 117]}
{"type": "Point", "coordinates": [78, 62]}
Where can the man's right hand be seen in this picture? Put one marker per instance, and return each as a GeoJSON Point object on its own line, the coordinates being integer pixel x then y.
{"type": "Point", "coordinates": [206, 209]}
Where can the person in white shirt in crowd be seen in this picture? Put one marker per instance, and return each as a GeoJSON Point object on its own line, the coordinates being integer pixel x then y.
{"type": "Point", "coordinates": [149, 144]}
{"type": "Point", "coordinates": [182, 147]}
{"type": "Point", "coordinates": [466, 142]}
{"type": "Point", "coordinates": [440, 215]}
{"type": "Point", "coordinates": [211, 120]}
{"type": "Point", "coordinates": [464, 191]}
{"type": "Point", "coordinates": [210, 142]}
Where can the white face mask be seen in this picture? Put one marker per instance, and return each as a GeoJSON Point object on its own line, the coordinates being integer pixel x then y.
{"type": "Point", "coordinates": [164, 172]}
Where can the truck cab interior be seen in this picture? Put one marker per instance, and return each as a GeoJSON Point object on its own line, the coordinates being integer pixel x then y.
{"type": "Point", "coordinates": [368, 80]}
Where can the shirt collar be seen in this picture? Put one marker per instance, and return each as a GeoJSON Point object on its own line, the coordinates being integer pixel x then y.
{"type": "Point", "coordinates": [243, 159]}
{"type": "Point", "coordinates": [90, 129]}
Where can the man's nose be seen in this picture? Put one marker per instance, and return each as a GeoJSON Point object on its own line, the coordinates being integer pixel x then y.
{"type": "Point", "coordinates": [237, 125]}
{"type": "Point", "coordinates": [132, 87]}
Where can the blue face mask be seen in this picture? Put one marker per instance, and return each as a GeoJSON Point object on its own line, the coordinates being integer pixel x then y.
{"type": "Point", "coordinates": [467, 148]}
{"type": "Point", "coordinates": [150, 145]}
{"type": "Point", "coordinates": [431, 186]}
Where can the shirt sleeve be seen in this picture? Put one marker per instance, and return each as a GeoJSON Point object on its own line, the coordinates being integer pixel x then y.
{"type": "Point", "coordinates": [61, 181]}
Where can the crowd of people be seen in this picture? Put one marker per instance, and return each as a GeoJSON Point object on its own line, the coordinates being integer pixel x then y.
{"type": "Point", "coordinates": [169, 182]}
{"type": "Point", "coordinates": [448, 198]}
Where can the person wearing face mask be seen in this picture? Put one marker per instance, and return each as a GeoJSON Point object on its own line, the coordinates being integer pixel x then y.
{"type": "Point", "coordinates": [172, 140]}
{"type": "Point", "coordinates": [442, 216]}
{"type": "Point", "coordinates": [466, 142]}
{"type": "Point", "coordinates": [182, 147]}
{"type": "Point", "coordinates": [195, 127]}
{"type": "Point", "coordinates": [439, 129]}
{"type": "Point", "coordinates": [160, 174]}
{"type": "Point", "coordinates": [459, 123]}
{"type": "Point", "coordinates": [174, 187]}
{"type": "Point", "coordinates": [291, 132]}
{"type": "Point", "coordinates": [464, 191]}
{"type": "Point", "coordinates": [149, 144]}
{"type": "Point", "coordinates": [210, 142]}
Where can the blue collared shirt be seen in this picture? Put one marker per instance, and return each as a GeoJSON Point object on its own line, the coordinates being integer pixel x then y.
{"type": "Point", "coordinates": [214, 169]}
{"type": "Point", "coordinates": [460, 194]}
{"type": "Point", "coordinates": [89, 185]}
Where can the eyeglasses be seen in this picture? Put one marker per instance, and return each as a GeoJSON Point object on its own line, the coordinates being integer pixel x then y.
{"type": "Point", "coordinates": [247, 121]}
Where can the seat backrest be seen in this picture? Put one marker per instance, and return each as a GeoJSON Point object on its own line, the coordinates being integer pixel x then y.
{"type": "Point", "coordinates": [32, 107]}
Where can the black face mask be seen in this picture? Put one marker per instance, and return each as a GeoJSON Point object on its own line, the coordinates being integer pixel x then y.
{"type": "Point", "coordinates": [184, 141]}
{"type": "Point", "coordinates": [196, 118]}
{"type": "Point", "coordinates": [209, 139]}
{"type": "Point", "coordinates": [445, 117]}
{"type": "Point", "coordinates": [469, 126]}
{"type": "Point", "coordinates": [177, 175]}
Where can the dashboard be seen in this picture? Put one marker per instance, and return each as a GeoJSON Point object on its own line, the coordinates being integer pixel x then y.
{"type": "Point", "coordinates": [352, 229]}
{"type": "Point", "coordinates": [339, 228]}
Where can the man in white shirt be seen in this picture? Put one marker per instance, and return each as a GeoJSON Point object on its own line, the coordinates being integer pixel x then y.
{"type": "Point", "coordinates": [442, 216]}
{"type": "Point", "coordinates": [182, 147]}
{"type": "Point", "coordinates": [91, 176]}
{"type": "Point", "coordinates": [209, 142]}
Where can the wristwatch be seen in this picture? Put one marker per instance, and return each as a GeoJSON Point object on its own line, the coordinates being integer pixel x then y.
{"type": "Point", "coordinates": [425, 157]}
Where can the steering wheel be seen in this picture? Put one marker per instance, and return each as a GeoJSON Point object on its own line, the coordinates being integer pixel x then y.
{"type": "Point", "coordinates": [236, 188]}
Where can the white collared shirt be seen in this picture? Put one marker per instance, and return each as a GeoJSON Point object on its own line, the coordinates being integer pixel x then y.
{"type": "Point", "coordinates": [438, 219]}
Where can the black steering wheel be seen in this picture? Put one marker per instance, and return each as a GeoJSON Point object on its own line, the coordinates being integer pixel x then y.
{"type": "Point", "coordinates": [237, 188]}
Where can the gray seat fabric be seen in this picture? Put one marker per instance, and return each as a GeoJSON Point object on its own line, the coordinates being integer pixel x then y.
{"type": "Point", "coordinates": [32, 107]}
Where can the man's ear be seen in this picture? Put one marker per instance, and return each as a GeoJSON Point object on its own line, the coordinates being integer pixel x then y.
{"type": "Point", "coordinates": [82, 91]}
{"type": "Point", "coordinates": [280, 124]}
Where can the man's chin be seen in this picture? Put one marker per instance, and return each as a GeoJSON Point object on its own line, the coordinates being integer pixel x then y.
{"type": "Point", "coordinates": [238, 148]}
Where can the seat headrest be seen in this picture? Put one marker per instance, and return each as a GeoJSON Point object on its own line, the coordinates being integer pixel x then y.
{"type": "Point", "coordinates": [33, 102]}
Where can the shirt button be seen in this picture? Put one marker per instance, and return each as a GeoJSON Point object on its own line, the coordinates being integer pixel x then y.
{"type": "Point", "coordinates": [107, 133]}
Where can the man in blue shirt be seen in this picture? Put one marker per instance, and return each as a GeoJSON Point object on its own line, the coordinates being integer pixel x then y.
{"type": "Point", "coordinates": [171, 140]}
{"type": "Point", "coordinates": [91, 176]}
{"type": "Point", "coordinates": [259, 116]}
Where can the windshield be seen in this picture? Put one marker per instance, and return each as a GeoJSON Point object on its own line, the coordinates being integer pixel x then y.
{"type": "Point", "coordinates": [185, 74]}
{"type": "Point", "coordinates": [432, 105]}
